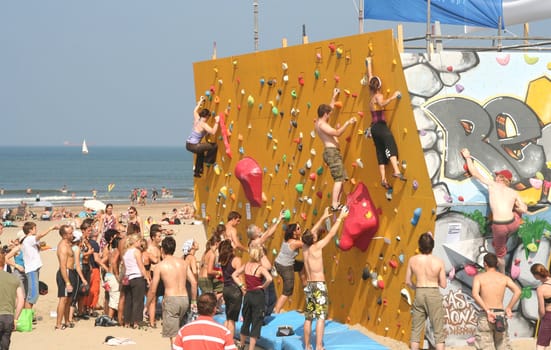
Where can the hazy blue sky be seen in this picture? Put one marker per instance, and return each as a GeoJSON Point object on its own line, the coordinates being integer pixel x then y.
{"type": "Point", "coordinates": [119, 72]}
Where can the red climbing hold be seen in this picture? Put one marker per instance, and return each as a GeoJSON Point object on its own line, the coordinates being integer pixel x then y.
{"type": "Point", "coordinates": [249, 173]}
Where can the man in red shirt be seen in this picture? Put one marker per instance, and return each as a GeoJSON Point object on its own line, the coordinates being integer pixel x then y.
{"type": "Point", "coordinates": [204, 333]}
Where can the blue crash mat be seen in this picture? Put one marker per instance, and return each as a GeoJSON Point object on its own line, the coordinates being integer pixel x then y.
{"type": "Point", "coordinates": [336, 335]}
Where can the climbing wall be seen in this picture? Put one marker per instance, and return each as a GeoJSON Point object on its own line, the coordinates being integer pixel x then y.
{"type": "Point", "coordinates": [268, 102]}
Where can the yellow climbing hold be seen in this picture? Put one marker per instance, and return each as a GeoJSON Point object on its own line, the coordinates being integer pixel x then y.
{"type": "Point", "coordinates": [217, 169]}
{"type": "Point", "coordinates": [368, 215]}
{"type": "Point", "coordinates": [531, 59]}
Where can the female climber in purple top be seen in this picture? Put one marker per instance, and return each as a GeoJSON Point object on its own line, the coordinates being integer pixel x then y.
{"type": "Point", "coordinates": [385, 145]}
{"type": "Point", "coordinates": [206, 151]}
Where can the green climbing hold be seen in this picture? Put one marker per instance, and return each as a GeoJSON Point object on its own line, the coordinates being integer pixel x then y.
{"type": "Point", "coordinates": [299, 188]}
{"type": "Point", "coordinates": [320, 170]}
{"type": "Point", "coordinates": [275, 111]}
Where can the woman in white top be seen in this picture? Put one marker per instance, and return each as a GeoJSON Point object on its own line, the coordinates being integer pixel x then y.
{"type": "Point", "coordinates": [135, 281]}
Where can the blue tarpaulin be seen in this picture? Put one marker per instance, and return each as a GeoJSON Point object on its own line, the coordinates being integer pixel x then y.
{"type": "Point", "coordinates": [480, 13]}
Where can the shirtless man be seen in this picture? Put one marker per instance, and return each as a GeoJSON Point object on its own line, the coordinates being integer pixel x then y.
{"type": "Point", "coordinates": [110, 260]}
{"type": "Point", "coordinates": [154, 251]}
{"type": "Point", "coordinates": [430, 274]}
{"type": "Point", "coordinates": [331, 154]}
{"type": "Point", "coordinates": [505, 204]}
{"type": "Point", "coordinates": [317, 301]}
{"type": "Point", "coordinates": [234, 218]}
{"type": "Point", "coordinates": [66, 276]}
{"type": "Point", "coordinates": [488, 292]}
{"type": "Point", "coordinates": [173, 271]}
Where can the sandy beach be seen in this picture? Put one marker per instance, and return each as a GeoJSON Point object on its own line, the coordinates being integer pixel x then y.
{"type": "Point", "coordinates": [85, 336]}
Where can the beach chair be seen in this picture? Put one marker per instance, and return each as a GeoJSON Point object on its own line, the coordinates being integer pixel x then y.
{"type": "Point", "coordinates": [21, 213]}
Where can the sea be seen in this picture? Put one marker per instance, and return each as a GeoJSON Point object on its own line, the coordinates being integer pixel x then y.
{"type": "Point", "coordinates": [63, 175]}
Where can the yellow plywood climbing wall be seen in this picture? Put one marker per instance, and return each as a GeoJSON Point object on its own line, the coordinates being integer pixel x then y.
{"type": "Point", "coordinates": [269, 102]}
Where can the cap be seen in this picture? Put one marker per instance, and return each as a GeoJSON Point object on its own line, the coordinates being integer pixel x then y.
{"type": "Point", "coordinates": [506, 174]}
{"type": "Point", "coordinates": [20, 235]}
{"type": "Point", "coordinates": [77, 235]}
{"type": "Point", "coordinates": [187, 246]}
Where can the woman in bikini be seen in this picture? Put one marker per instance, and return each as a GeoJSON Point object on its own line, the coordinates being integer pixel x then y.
{"type": "Point", "coordinates": [385, 145]}
{"type": "Point", "coordinates": [134, 225]}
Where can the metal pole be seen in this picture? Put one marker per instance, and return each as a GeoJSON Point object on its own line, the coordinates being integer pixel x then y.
{"type": "Point", "coordinates": [255, 11]}
{"type": "Point", "coordinates": [361, 15]}
{"type": "Point", "coordinates": [428, 34]}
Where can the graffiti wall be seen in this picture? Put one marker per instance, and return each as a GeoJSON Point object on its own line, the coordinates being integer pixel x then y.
{"type": "Point", "coordinates": [498, 106]}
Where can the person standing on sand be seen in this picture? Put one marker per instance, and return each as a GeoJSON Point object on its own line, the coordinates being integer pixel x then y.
{"type": "Point", "coordinates": [505, 204]}
{"type": "Point", "coordinates": [11, 304]}
{"type": "Point", "coordinates": [317, 300]}
{"type": "Point", "coordinates": [174, 273]}
{"type": "Point", "coordinates": [331, 153]}
{"type": "Point", "coordinates": [205, 151]}
{"type": "Point", "coordinates": [234, 218]}
{"type": "Point", "coordinates": [66, 277]}
{"type": "Point", "coordinates": [544, 305]}
{"type": "Point", "coordinates": [430, 274]}
{"type": "Point", "coordinates": [205, 332]}
{"type": "Point", "coordinates": [31, 256]}
{"type": "Point", "coordinates": [488, 291]}
{"type": "Point", "coordinates": [154, 253]}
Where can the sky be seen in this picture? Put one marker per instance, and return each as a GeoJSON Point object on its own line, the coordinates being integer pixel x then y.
{"type": "Point", "coordinates": [120, 72]}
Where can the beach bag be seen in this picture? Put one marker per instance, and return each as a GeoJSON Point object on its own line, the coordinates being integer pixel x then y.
{"type": "Point", "coordinates": [285, 331]}
{"type": "Point", "coordinates": [25, 321]}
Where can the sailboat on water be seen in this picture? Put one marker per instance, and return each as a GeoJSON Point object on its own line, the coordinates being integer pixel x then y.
{"type": "Point", "coordinates": [84, 147]}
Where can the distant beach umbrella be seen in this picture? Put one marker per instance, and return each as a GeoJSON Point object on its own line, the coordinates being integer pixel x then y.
{"type": "Point", "coordinates": [94, 204]}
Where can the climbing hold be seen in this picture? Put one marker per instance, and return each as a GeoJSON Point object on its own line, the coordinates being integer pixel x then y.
{"type": "Point", "coordinates": [284, 66]}
{"type": "Point", "coordinates": [313, 176]}
{"type": "Point", "coordinates": [248, 172]}
{"type": "Point", "coordinates": [317, 74]}
{"type": "Point", "coordinates": [250, 101]}
{"type": "Point", "coordinates": [216, 169]}
{"type": "Point", "coordinates": [272, 82]}
{"type": "Point", "coordinates": [294, 93]}
{"type": "Point", "coordinates": [320, 170]}
{"type": "Point", "coordinates": [366, 273]}
{"type": "Point", "coordinates": [380, 282]}
{"type": "Point", "coordinates": [241, 150]}
{"type": "Point", "coordinates": [346, 92]}
{"type": "Point", "coordinates": [299, 188]}
{"type": "Point", "coordinates": [301, 80]}
{"type": "Point", "coordinates": [332, 47]}
{"type": "Point", "coordinates": [530, 59]}
{"type": "Point", "coordinates": [309, 201]}
{"type": "Point", "coordinates": [294, 112]}
{"type": "Point", "coordinates": [294, 123]}
{"type": "Point", "coordinates": [313, 152]}
{"type": "Point", "coordinates": [303, 216]}
{"type": "Point", "coordinates": [262, 81]}
{"type": "Point", "coordinates": [405, 294]}
{"type": "Point", "coordinates": [393, 263]}
{"type": "Point", "coordinates": [415, 184]}
{"type": "Point", "coordinates": [318, 56]}
{"type": "Point", "coordinates": [275, 111]}
{"type": "Point", "coordinates": [470, 270]}
{"type": "Point", "coordinates": [361, 114]}
{"type": "Point", "coordinates": [302, 171]}
{"type": "Point", "coordinates": [285, 78]}
{"type": "Point", "coordinates": [337, 78]}
{"type": "Point", "coordinates": [339, 52]}
{"type": "Point", "coordinates": [308, 164]}
{"type": "Point", "coordinates": [338, 104]}
{"type": "Point", "coordinates": [299, 147]}
{"type": "Point", "coordinates": [359, 163]}
{"type": "Point", "coordinates": [416, 216]}
{"type": "Point", "coordinates": [401, 258]}
{"type": "Point", "coordinates": [451, 274]}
